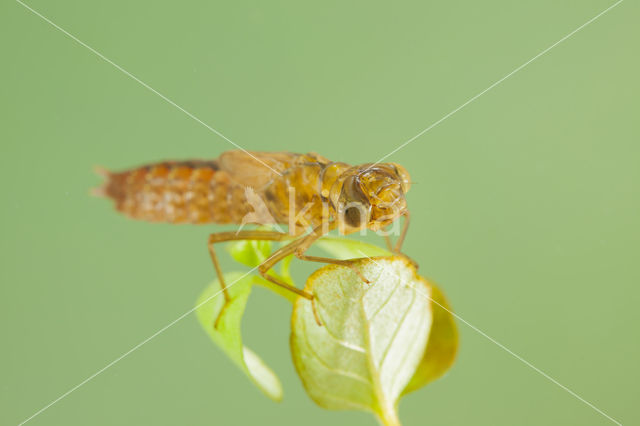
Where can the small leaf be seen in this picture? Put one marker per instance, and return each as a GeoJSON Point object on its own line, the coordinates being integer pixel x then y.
{"type": "Point", "coordinates": [442, 345]}
{"type": "Point", "coordinates": [372, 336]}
{"type": "Point", "coordinates": [344, 248]}
{"type": "Point", "coordinates": [250, 252]}
{"type": "Point", "coordinates": [227, 334]}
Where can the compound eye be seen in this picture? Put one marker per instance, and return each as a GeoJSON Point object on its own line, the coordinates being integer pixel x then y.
{"type": "Point", "coordinates": [357, 215]}
{"type": "Point", "coordinates": [403, 174]}
{"type": "Point", "coordinates": [352, 217]}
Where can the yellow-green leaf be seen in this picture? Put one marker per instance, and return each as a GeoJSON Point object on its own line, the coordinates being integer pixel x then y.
{"type": "Point", "coordinates": [345, 248]}
{"type": "Point", "coordinates": [250, 252]}
{"type": "Point", "coordinates": [227, 333]}
{"type": "Point", "coordinates": [372, 337]}
{"type": "Point", "coordinates": [442, 345]}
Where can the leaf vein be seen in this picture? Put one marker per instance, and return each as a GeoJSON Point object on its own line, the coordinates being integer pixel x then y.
{"type": "Point", "coordinates": [395, 332]}
{"type": "Point", "coordinates": [386, 300]}
{"type": "Point", "coordinates": [341, 342]}
{"type": "Point", "coordinates": [329, 367]}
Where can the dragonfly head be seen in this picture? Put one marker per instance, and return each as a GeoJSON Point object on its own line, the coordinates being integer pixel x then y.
{"type": "Point", "coordinates": [369, 196]}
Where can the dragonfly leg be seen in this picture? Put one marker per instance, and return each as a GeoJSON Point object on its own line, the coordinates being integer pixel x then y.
{"type": "Point", "coordinates": [280, 254]}
{"type": "Point", "coordinates": [349, 262]}
{"type": "Point", "coordinates": [403, 234]}
{"type": "Point", "coordinates": [234, 236]}
{"type": "Point", "coordinates": [308, 240]}
{"type": "Point", "coordinates": [294, 247]}
{"type": "Point", "coordinates": [387, 240]}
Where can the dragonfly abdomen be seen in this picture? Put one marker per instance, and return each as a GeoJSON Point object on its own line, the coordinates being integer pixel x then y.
{"type": "Point", "coordinates": [177, 192]}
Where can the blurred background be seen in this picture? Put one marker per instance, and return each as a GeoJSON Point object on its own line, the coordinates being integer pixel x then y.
{"type": "Point", "coordinates": [525, 207]}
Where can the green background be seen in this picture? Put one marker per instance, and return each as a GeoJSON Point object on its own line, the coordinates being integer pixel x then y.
{"type": "Point", "coordinates": [525, 205]}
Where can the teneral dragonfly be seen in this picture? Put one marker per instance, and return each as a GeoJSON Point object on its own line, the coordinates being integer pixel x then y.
{"type": "Point", "coordinates": [306, 192]}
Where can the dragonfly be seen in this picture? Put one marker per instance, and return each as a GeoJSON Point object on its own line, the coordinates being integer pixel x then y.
{"type": "Point", "coordinates": [308, 193]}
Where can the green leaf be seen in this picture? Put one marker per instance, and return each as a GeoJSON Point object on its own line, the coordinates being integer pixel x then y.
{"type": "Point", "coordinates": [344, 248]}
{"type": "Point", "coordinates": [250, 252]}
{"type": "Point", "coordinates": [227, 334]}
{"type": "Point", "coordinates": [442, 345]}
{"type": "Point", "coordinates": [443, 340]}
{"type": "Point", "coordinates": [372, 337]}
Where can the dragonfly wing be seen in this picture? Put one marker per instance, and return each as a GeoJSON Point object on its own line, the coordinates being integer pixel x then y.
{"type": "Point", "coordinates": [255, 169]}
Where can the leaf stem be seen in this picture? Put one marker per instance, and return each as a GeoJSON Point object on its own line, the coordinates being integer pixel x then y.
{"type": "Point", "coordinates": [387, 416]}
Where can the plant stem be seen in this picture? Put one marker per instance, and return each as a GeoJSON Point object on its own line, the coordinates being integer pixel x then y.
{"type": "Point", "coordinates": [387, 416]}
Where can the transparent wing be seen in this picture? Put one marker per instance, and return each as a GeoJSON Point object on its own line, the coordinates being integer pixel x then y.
{"type": "Point", "coordinates": [255, 169]}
